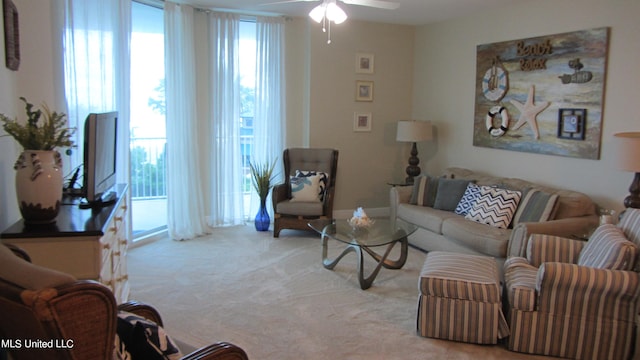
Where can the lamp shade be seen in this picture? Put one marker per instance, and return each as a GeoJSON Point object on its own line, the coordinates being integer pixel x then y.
{"type": "Point", "coordinates": [414, 131]}
{"type": "Point", "coordinates": [628, 151]}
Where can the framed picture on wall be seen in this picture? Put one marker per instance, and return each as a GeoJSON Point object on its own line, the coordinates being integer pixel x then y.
{"type": "Point", "coordinates": [361, 122]}
{"type": "Point", "coordinates": [11, 35]}
{"type": "Point", "coordinates": [364, 63]}
{"type": "Point", "coordinates": [364, 90]}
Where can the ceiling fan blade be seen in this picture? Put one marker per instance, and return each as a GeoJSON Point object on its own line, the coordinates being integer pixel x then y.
{"type": "Point", "coordinates": [286, 2]}
{"type": "Point", "coordinates": [373, 3]}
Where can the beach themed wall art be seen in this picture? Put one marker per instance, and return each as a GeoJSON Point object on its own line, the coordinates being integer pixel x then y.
{"type": "Point", "coordinates": [542, 95]}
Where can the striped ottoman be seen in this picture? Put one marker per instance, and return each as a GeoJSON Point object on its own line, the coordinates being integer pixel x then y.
{"type": "Point", "coordinates": [460, 299]}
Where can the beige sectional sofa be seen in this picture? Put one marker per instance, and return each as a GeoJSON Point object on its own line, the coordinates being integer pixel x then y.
{"type": "Point", "coordinates": [574, 213]}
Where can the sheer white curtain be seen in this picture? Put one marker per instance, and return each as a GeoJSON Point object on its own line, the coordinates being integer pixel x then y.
{"type": "Point", "coordinates": [268, 123]}
{"type": "Point", "coordinates": [96, 40]}
{"type": "Point", "coordinates": [226, 207]}
{"type": "Point", "coordinates": [203, 115]}
{"type": "Point", "coordinates": [186, 214]}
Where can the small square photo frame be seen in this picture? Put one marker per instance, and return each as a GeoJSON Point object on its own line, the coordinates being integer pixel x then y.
{"type": "Point", "coordinates": [364, 63]}
{"type": "Point", "coordinates": [361, 122]}
{"type": "Point", "coordinates": [364, 90]}
{"type": "Point", "coordinates": [572, 124]}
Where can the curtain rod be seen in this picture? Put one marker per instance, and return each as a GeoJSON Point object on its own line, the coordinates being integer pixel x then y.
{"type": "Point", "coordinates": [224, 10]}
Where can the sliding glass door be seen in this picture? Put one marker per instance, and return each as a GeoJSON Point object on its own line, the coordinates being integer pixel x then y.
{"type": "Point", "coordinates": [148, 137]}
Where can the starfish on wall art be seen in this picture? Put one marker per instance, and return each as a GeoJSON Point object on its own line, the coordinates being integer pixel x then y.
{"type": "Point", "coordinates": [528, 112]}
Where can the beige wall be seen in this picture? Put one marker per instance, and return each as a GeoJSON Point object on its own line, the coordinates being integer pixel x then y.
{"type": "Point", "coordinates": [34, 80]}
{"type": "Point", "coordinates": [444, 91]}
{"type": "Point", "coordinates": [324, 118]}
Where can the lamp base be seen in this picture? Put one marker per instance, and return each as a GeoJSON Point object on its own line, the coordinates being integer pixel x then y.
{"type": "Point", "coordinates": [413, 169]}
{"type": "Point", "coordinates": [633, 200]}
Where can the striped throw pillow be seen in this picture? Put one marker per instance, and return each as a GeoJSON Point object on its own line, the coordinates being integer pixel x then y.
{"type": "Point", "coordinates": [424, 191]}
{"type": "Point", "coordinates": [536, 206]}
{"type": "Point", "coordinates": [608, 248]}
{"type": "Point", "coordinates": [495, 207]}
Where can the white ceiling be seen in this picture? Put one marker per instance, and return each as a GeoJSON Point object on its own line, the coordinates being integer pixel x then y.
{"type": "Point", "coordinates": [411, 12]}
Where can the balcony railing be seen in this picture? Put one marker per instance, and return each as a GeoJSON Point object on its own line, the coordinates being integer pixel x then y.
{"type": "Point", "coordinates": [148, 168]}
{"type": "Point", "coordinates": [148, 163]}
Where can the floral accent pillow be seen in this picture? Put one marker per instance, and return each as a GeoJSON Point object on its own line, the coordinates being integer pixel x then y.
{"type": "Point", "coordinates": [324, 180]}
{"type": "Point", "coordinates": [305, 188]}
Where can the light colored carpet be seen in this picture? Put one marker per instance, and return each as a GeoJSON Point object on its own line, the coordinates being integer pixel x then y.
{"type": "Point", "coordinates": [273, 298]}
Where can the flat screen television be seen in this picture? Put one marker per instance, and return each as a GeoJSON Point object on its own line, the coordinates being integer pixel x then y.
{"type": "Point", "coordinates": [99, 168]}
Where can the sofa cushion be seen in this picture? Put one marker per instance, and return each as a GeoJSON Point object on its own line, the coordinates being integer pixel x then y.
{"type": "Point", "coordinates": [535, 206]}
{"type": "Point", "coordinates": [573, 204]}
{"type": "Point", "coordinates": [424, 217]}
{"type": "Point", "coordinates": [449, 193]}
{"type": "Point", "coordinates": [570, 203]}
{"type": "Point", "coordinates": [424, 191]}
{"type": "Point", "coordinates": [303, 208]}
{"type": "Point", "coordinates": [494, 207]}
{"type": "Point", "coordinates": [479, 237]}
{"type": "Point", "coordinates": [608, 248]}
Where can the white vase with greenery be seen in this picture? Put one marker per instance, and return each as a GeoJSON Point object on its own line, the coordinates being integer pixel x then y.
{"type": "Point", "coordinates": [39, 178]}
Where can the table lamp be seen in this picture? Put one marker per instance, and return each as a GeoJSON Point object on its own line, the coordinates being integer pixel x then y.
{"type": "Point", "coordinates": [413, 131]}
{"type": "Point", "coordinates": [629, 160]}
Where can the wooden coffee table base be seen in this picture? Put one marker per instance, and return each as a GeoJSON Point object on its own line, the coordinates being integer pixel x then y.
{"type": "Point", "coordinates": [382, 260]}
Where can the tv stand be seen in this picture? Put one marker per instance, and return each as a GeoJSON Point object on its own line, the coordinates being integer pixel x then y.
{"type": "Point", "coordinates": [107, 199]}
{"type": "Point", "coordinates": [88, 244]}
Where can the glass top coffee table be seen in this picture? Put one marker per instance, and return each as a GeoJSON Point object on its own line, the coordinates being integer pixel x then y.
{"type": "Point", "coordinates": [360, 240]}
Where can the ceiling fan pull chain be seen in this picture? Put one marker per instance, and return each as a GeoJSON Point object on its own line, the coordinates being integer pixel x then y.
{"type": "Point", "coordinates": [329, 34]}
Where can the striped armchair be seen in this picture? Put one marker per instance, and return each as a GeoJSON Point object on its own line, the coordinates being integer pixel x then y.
{"type": "Point", "coordinates": [576, 299]}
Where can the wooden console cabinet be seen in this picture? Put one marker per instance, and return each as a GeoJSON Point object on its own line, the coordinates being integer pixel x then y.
{"type": "Point", "coordinates": [88, 244]}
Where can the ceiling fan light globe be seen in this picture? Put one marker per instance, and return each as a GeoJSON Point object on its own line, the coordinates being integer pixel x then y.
{"type": "Point", "coordinates": [317, 13]}
{"type": "Point", "coordinates": [335, 13]}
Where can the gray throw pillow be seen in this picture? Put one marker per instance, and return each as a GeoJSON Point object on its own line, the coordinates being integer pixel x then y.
{"type": "Point", "coordinates": [449, 193]}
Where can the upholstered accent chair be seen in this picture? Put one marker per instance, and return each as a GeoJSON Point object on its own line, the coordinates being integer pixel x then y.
{"type": "Point", "coordinates": [311, 173]}
{"type": "Point", "coordinates": [79, 317]}
{"type": "Point", "coordinates": [576, 299]}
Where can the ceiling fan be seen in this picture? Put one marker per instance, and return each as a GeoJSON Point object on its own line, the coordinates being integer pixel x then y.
{"type": "Point", "coordinates": [380, 4]}
{"type": "Point", "coordinates": [329, 10]}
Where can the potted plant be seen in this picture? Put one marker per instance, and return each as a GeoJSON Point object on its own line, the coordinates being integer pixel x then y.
{"type": "Point", "coordinates": [262, 178]}
{"type": "Point", "coordinates": [39, 167]}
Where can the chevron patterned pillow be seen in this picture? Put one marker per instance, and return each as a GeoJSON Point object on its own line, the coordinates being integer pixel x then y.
{"type": "Point", "coordinates": [494, 207]}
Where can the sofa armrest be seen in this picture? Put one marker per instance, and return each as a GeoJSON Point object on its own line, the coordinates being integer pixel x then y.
{"type": "Point", "coordinates": [568, 227]}
{"type": "Point", "coordinates": [398, 195]}
{"type": "Point", "coordinates": [614, 292]}
{"type": "Point", "coordinates": [550, 248]}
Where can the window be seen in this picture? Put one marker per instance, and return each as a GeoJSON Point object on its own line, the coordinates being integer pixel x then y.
{"type": "Point", "coordinates": [247, 102]}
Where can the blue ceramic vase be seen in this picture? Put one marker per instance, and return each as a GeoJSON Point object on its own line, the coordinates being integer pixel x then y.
{"type": "Point", "coordinates": [262, 219]}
